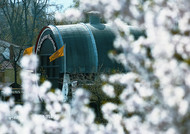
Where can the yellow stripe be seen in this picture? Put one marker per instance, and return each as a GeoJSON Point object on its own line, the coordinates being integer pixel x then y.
{"type": "Point", "coordinates": [57, 54]}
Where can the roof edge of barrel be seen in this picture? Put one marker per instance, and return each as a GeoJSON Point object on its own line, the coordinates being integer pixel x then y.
{"type": "Point", "coordinates": [54, 30]}
{"type": "Point", "coordinates": [39, 35]}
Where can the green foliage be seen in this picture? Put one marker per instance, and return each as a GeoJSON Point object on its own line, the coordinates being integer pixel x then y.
{"type": "Point", "coordinates": [76, 3]}
{"type": "Point", "coordinates": [98, 98]}
{"type": "Point", "coordinates": [181, 59]}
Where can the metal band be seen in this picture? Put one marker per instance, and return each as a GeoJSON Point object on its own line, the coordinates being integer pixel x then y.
{"type": "Point", "coordinates": [60, 37]}
{"type": "Point", "coordinates": [93, 42]}
{"type": "Point", "coordinates": [65, 88]}
{"type": "Point", "coordinates": [62, 44]}
{"type": "Point", "coordinates": [38, 45]}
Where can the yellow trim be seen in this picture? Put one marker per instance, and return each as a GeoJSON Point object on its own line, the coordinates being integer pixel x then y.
{"type": "Point", "coordinates": [57, 54]}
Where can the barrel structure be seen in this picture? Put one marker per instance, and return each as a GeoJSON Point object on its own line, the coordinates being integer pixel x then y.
{"type": "Point", "coordinates": [86, 48]}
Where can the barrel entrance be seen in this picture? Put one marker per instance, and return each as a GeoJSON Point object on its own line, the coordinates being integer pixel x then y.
{"type": "Point", "coordinates": [48, 70]}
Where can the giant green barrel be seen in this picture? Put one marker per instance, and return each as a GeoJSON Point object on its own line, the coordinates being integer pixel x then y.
{"type": "Point", "coordinates": [86, 49]}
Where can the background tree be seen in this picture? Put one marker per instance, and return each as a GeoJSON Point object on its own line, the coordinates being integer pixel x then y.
{"type": "Point", "coordinates": [21, 21]}
{"type": "Point", "coordinates": [23, 18]}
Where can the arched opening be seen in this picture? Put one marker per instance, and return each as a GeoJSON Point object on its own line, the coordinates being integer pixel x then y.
{"type": "Point", "coordinates": [45, 47]}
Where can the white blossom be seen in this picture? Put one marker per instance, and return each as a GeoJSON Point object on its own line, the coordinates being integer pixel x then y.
{"type": "Point", "coordinates": [109, 90]}
{"type": "Point", "coordinates": [71, 15]}
{"type": "Point", "coordinates": [7, 91]}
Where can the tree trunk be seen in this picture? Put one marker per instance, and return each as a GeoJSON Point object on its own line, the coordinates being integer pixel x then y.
{"type": "Point", "coordinates": [15, 72]}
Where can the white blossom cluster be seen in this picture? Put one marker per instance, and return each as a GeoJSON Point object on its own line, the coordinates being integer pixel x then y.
{"type": "Point", "coordinates": [56, 118]}
{"type": "Point", "coordinates": [156, 98]}
{"type": "Point", "coordinates": [157, 87]}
